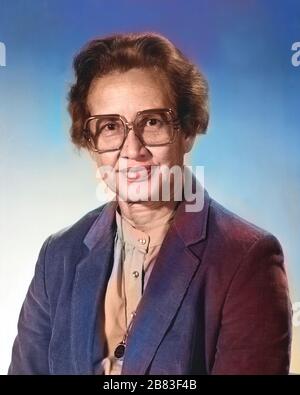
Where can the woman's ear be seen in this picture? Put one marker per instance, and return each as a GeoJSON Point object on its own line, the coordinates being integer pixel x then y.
{"type": "Point", "coordinates": [188, 142]}
{"type": "Point", "coordinates": [93, 155]}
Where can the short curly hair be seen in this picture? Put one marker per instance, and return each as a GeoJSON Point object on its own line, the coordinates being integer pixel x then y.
{"type": "Point", "coordinates": [122, 52]}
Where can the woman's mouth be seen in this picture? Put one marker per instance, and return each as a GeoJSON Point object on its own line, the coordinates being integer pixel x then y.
{"type": "Point", "coordinates": [137, 174]}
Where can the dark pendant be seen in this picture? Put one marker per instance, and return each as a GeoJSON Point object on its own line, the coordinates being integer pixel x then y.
{"type": "Point", "coordinates": [120, 350]}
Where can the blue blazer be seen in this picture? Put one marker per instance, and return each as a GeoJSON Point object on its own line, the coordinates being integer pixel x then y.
{"type": "Point", "coordinates": [216, 302]}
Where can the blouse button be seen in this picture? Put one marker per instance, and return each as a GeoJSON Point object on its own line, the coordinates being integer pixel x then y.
{"type": "Point", "coordinates": [135, 274]}
{"type": "Point", "coordinates": [142, 241]}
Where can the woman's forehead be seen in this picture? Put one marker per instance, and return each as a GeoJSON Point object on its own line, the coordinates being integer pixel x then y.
{"type": "Point", "coordinates": [134, 90]}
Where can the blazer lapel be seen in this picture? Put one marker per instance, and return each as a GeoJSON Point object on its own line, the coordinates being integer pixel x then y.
{"type": "Point", "coordinates": [176, 264]}
{"type": "Point", "coordinates": [90, 281]}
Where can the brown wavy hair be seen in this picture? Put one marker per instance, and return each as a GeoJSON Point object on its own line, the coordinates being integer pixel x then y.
{"type": "Point", "coordinates": [123, 52]}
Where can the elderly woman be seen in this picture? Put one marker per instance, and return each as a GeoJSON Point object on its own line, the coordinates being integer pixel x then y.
{"type": "Point", "coordinates": [142, 285]}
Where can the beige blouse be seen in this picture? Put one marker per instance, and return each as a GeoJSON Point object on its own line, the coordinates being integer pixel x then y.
{"type": "Point", "coordinates": [135, 253]}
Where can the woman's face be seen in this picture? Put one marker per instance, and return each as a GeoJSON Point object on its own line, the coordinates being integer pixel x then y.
{"type": "Point", "coordinates": [126, 94]}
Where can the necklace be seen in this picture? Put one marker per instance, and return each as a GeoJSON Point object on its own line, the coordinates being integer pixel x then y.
{"type": "Point", "coordinates": [121, 347]}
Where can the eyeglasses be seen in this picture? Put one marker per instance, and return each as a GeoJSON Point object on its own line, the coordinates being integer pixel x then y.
{"type": "Point", "coordinates": [154, 127]}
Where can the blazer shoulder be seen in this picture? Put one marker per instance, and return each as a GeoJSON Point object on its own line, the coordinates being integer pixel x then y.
{"type": "Point", "coordinates": [239, 249]}
{"type": "Point", "coordinates": [74, 234]}
{"type": "Point", "coordinates": [233, 228]}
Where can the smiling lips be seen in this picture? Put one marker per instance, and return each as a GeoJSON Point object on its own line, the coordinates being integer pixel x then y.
{"type": "Point", "coordinates": [137, 173]}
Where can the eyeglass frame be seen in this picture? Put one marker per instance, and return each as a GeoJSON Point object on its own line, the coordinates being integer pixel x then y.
{"type": "Point", "coordinates": [130, 126]}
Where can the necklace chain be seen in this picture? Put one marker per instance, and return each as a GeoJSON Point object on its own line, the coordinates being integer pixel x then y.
{"type": "Point", "coordinates": [120, 349]}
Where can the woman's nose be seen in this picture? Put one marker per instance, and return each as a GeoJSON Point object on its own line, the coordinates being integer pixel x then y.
{"type": "Point", "coordinates": [133, 147]}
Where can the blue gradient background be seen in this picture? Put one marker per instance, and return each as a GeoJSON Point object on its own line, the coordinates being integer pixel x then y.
{"type": "Point", "coordinates": [251, 152]}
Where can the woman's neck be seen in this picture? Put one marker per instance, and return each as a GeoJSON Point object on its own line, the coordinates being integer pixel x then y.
{"type": "Point", "coordinates": [147, 215]}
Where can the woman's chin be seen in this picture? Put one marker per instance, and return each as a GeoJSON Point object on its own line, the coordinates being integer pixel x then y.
{"type": "Point", "coordinates": [142, 191]}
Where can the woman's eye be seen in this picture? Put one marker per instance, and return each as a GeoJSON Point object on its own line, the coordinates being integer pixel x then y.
{"type": "Point", "coordinates": [109, 126]}
{"type": "Point", "coordinates": [153, 122]}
